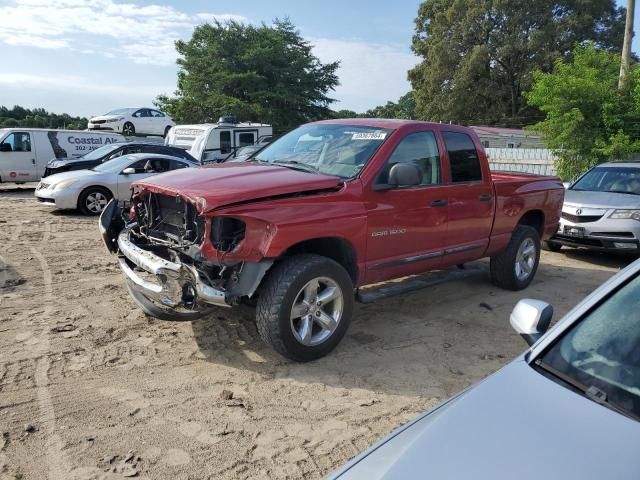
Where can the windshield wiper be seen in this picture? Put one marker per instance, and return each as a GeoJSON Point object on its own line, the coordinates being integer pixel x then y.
{"type": "Point", "coordinates": [592, 392]}
{"type": "Point", "coordinates": [297, 165]}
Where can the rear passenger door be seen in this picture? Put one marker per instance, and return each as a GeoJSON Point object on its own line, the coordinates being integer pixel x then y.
{"type": "Point", "coordinates": [470, 200]}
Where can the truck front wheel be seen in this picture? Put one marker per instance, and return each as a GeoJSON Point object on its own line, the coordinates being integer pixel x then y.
{"type": "Point", "coordinates": [305, 307]}
{"type": "Point", "coordinates": [515, 268]}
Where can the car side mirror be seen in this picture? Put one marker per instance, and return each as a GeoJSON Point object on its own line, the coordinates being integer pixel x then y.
{"type": "Point", "coordinates": [531, 319]}
{"type": "Point", "coordinates": [129, 171]}
{"type": "Point", "coordinates": [5, 147]}
{"type": "Point", "coordinates": [405, 175]}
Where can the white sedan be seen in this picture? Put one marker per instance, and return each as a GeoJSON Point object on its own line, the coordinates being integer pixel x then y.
{"type": "Point", "coordinates": [133, 121]}
{"type": "Point", "coordinates": [90, 190]}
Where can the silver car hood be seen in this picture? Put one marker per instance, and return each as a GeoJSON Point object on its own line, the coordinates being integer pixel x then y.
{"type": "Point", "coordinates": [515, 424]}
{"type": "Point", "coordinates": [75, 174]}
{"type": "Point", "coordinates": [604, 200]}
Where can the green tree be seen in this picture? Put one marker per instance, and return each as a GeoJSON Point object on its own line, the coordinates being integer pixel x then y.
{"type": "Point", "coordinates": [38, 118]}
{"type": "Point", "coordinates": [405, 108]}
{"type": "Point", "coordinates": [479, 55]}
{"type": "Point", "coordinates": [587, 119]}
{"type": "Point", "coordinates": [257, 73]}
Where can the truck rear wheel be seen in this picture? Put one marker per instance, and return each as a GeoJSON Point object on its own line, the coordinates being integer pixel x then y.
{"type": "Point", "coordinates": [515, 268]}
{"type": "Point", "coordinates": [305, 307]}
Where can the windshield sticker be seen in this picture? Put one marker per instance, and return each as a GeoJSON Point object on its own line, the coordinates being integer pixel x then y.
{"type": "Point", "coordinates": [369, 136]}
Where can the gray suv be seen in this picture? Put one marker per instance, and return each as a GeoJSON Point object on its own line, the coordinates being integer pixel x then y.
{"type": "Point", "coordinates": [601, 210]}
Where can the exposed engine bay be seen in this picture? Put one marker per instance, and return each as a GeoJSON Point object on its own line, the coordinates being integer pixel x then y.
{"type": "Point", "coordinates": [159, 239]}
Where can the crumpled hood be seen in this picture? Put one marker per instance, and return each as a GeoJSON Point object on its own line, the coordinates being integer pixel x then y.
{"type": "Point", "coordinates": [517, 424]}
{"type": "Point", "coordinates": [215, 186]}
{"type": "Point", "coordinates": [604, 200]}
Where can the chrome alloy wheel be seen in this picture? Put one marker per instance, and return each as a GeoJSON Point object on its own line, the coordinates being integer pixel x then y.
{"type": "Point", "coordinates": [525, 259]}
{"type": "Point", "coordinates": [316, 312]}
{"type": "Point", "coordinates": [96, 201]}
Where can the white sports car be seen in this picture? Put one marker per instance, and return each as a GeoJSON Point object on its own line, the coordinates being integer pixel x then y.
{"type": "Point", "coordinates": [133, 121]}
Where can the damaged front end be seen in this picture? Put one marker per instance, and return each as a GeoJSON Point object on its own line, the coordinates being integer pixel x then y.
{"type": "Point", "coordinates": [159, 241]}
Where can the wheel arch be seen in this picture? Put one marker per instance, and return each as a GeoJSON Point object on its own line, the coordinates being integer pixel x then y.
{"type": "Point", "coordinates": [534, 219]}
{"type": "Point", "coordinates": [336, 248]}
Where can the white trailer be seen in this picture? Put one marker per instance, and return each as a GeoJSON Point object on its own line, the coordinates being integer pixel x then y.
{"type": "Point", "coordinates": [25, 152]}
{"type": "Point", "coordinates": [215, 142]}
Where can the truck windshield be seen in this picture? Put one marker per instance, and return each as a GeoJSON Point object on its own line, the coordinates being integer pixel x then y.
{"type": "Point", "coordinates": [610, 179]}
{"type": "Point", "coordinates": [340, 150]}
{"type": "Point", "coordinates": [98, 153]}
{"type": "Point", "coordinates": [602, 352]}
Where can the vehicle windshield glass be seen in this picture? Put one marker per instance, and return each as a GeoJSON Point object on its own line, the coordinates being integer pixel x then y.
{"type": "Point", "coordinates": [603, 349]}
{"type": "Point", "coordinates": [121, 111]}
{"type": "Point", "coordinates": [114, 166]}
{"type": "Point", "coordinates": [100, 152]}
{"type": "Point", "coordinates": [340, 150]}
{"type": "Point", "coordinates": [610, 179]}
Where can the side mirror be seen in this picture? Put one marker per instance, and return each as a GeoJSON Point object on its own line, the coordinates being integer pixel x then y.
{"type": "Point", "coordinates": [5, 147]}
{"type": "Point", "coordinates": [129, 171]}
{"type": "Point", "coordinates": [531, 319]}
{"type": "Point", "coordinates": [404, 175]}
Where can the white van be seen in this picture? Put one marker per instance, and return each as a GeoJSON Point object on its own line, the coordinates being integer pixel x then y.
{"type": "Point", "coordinates": [214, 142]}
{"type": "Point", "coordinates": [24, 152]}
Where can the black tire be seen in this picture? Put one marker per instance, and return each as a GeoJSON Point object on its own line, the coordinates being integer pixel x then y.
{"type": "Point", "coordinates": [278, 294]}
{"type": "Point", "coordinates": [551, 246]}
{"type": "Point", "coordinates": [128, 129]}
{"type": "Point", "coordinates": [101, 194]}
{"type": "Point", "coordinates": [503, 266]}
{"type": "Point", "coordinates": [159, 312]}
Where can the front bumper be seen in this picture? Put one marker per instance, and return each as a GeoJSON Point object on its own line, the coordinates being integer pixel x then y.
{"type": "Point", "coordinates": [603, 233]}
{"type": "Point", "coordinates": [171, 279]}
{"type": "Point", "coordinates": [66, 198]}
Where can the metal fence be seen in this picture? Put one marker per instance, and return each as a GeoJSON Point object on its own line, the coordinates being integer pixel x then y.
{"type": "Point", "coordinates": [527, 160]}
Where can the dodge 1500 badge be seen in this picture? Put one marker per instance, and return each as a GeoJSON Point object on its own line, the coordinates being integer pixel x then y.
{"type": "Point", "coordinates": [326, 209]}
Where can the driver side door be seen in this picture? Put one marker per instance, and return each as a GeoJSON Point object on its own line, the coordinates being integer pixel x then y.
{"type": "Point", "coordinates": [406, 228]}
{"type": "Point", "coordinates": [124, 180]}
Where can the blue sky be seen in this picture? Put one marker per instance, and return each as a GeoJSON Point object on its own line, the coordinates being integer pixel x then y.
{"type": "Point", "coordinates": [89, 56]}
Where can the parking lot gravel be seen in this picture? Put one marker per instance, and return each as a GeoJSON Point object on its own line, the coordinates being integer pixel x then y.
{"type": "Point", "coordinates": [91, 388]}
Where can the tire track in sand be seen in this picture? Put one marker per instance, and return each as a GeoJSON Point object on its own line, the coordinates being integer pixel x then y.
{"type": "Point", "coordinates": [58, 465]}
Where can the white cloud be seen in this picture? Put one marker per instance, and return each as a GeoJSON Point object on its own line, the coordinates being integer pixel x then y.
{"type": "Point", "coordinates": [144, 34]}
{"type": "Point", "coordinates": [74, 94]}
{"type": "Point", "coordinates": [370, 74]}
{"type": "Point", "coordinates": [77, 84]}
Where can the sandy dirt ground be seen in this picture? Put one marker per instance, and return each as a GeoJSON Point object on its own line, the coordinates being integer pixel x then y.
{"type": "Point", "coordinates": [92, 388]}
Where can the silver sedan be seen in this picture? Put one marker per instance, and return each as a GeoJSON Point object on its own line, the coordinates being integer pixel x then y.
{"type": "Point", "coordinates": [601, 210]}
{"type": "Point", "coordinates": [569, 408]}
{"type": "Point", "coordinates": [90, 190]}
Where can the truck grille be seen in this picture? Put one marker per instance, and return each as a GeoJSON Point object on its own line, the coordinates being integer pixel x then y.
{"type": "Point", "coordinates": [581, 218]}
{"type": "Point", "coordinates": [170, 219]}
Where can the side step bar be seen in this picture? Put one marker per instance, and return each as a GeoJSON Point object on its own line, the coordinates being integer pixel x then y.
{"type": "Point", "coordinates": [381, 291]}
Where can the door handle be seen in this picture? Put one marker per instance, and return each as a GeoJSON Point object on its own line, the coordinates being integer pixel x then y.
{"type": "Point", "coordinates": [33, 160]}
{"type": "Point", "coordinates": [439, 203]}
{"type": "Point", "coordinates": [485, 197]}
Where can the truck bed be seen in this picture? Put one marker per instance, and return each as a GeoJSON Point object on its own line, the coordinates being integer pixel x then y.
{"type": "Point", "coordinates": [518, 192]}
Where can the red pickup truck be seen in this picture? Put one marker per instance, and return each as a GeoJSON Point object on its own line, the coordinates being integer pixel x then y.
{"type": "Point", "coordinates": [322, 211]}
